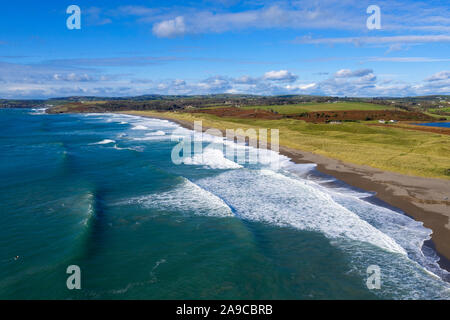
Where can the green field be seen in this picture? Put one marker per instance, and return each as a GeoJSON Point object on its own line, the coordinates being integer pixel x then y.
{"type": "Point", "coordinates": [440, 109]}
{"type": "Point", "coordinates": [437, 116]}
{"type": "Point", "coordinates": [393, 149]}
{"type": "Point", "coordinates": [310, 107]}
{"type": "Point", "coordinates": [432, 113]}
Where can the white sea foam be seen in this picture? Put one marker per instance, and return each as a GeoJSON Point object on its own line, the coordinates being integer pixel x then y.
{"type": "Point", "coordinates": [235, 152]}
{"type": "Point", "coordinates": [370, 234]}
{"type": "Point", "coordinates": [273, 159]}
{"type": "Point", "coordinates": [139, 127]}
{"type": "Point", "coordinates": [186, 197]}
{"type": "Point", "coordinates": [212, 158]}
{"type": "Point", "coordinates": [145, 139]}
{"type": "Point", "coordinates": [105, 141]}
{"type": "Point", "coordinates": [90, 208]}
{"type": "Point", "coordinates": [345, 191]}
{"type": "Point", "coordinates": [92, 114]}
{"type": "Point", "coordinates": [38, 111]}
{"type": "Point", "coordinates": [274, 198]}
{"type": "Point", "coordinates": [409, 233]}
{"type": "Point", "coordinates": [151, 138]}
{"type": "Point", "coordinates": [156, 133]}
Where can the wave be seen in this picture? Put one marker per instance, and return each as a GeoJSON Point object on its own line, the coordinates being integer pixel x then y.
{"type": "Point", "coordinates": [152, 138]}
{"type": "Point", "coordinates": [38, 111]}
{"type": "Point", "coordinates": [211, 158]}
{"type": "Point", "coordinates": [156, 133]}
{"type": "Point", "coordinates": [139, 127]}
{"type": "Point", "coordinates": [369, 234]}
{"type": "Point", "coordinates": [94, 222]}
{"type": "Point", "coordinates": [305, 202]}
{"type": "Point", "coordinates": [409, 233]}
{"type": "Point", "coordinates": [274, 198]}
{"type": "Point", "coordinates": [214, 158]}
{"type": "Point", "coordinates": [137, 149]}
{"type": "Point", "coordinates": [105, 141]}
{"type": "Point", "coordinates": [186, 197]}
{"type": "Point", "coordinates": [89, 202]}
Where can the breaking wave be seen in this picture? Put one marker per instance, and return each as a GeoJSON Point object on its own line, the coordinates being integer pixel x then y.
{"type": "Point", "coordinates": [187, 197]}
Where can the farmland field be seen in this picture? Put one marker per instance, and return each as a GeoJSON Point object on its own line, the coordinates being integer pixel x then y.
{"type": "Point", "coordinates": [310, 107]}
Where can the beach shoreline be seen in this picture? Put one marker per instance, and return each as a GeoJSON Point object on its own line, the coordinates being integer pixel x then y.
{"type": "Point", "coordinates": [424, 199]}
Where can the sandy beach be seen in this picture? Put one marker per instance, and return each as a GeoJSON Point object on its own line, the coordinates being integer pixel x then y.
{"type": "Point", "coordinates": [424, 199]}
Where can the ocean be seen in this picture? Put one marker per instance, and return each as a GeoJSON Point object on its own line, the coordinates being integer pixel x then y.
{"type": "Point", "coordinates": [100, 191]}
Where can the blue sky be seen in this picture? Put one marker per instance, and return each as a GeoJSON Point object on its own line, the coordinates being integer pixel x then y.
{"type": "Point", "coordinates": [127, 48]}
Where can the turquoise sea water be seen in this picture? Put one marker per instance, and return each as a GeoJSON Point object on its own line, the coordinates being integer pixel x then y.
{"type": "Point", "coordinates": [100, 191]}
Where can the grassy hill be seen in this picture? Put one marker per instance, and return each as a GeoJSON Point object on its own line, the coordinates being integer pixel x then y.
{"type": "Point", "coordinates": [333, 106]}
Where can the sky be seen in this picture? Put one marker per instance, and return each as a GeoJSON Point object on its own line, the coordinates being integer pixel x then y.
{"type": "Point", "coordinates": [129, 48]}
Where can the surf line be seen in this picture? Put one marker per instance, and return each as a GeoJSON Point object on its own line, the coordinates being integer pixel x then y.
{"type": "Point", "coordinates": [228, 143]}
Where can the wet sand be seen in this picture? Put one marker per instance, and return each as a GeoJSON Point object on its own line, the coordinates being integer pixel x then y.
{"type": "Point", "coordinates": [424, 199]}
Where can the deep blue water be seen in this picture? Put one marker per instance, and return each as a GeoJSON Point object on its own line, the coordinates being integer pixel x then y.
{"type": "Point", "coordinates": [437, 124]}
{"type": "Point", "coordinates": [100, 191]}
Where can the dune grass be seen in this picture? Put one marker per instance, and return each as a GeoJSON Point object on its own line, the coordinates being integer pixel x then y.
{"type": "Point", "coordinates": [392, 149]}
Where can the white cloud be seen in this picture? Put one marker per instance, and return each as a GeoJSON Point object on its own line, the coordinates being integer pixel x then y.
{"type": "Point", "coordinates": [179, 82]}
{"type": "Point", "coordinates": [397, 15]}
{"type": "Point", "coordinates": [358, 41]}
{"type": "Point", "coordinates": [407, 59]}
{"type": "Point", "coordinates": [38, 82]}
{"type": "Point", "coordinates": [440, 76]}
{"type": "Point", "coordinates": [246, 80]}
{"type": "Point", "coordinates": [74, 77]}
{"type": "Point", "coordinates": [276, 16]}
{"type": "Point", "coordinates": [135, 10]}
{"type": "Point", "coordinates": [170, 28]}
{"type": "Point", "coordinates": [301, 86]}
{"type": "Point", "coordinates": [347, 73]}
{"type": "Point", "coordinates": [94, 17]}
{"type": "Point", "coordinates": [280, 75]}
{"type": "Point", "coordinates": [440, 82]}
